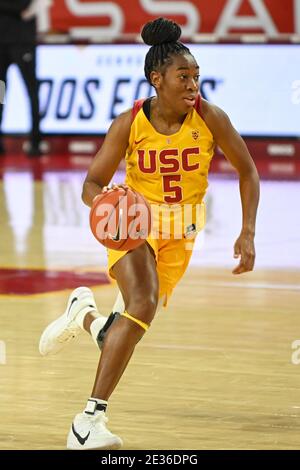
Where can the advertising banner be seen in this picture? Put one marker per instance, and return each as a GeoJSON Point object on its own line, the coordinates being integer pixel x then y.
{"type": "Point", "coordinates": [83, 88]}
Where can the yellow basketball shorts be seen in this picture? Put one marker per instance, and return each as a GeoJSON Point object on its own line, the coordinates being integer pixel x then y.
{"type": "Point", "coordinates": [172, 258]}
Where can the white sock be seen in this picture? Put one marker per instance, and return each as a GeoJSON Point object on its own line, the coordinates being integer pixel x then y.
{"type": "Point", "coordinates": [100, 321]}
{"type": "Point", "coordinates": [95, 405]}
{"type": "Point", "coordinates": [96, 326]}
{"type": "Point", "coordinates": [81, 315]}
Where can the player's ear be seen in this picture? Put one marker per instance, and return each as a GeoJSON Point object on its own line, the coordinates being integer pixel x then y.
{"type": "Point", "coordinates": [155, 78]}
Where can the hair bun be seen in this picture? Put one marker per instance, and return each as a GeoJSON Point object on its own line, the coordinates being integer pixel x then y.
{"type": "Point", "coordinates": [160, 31]}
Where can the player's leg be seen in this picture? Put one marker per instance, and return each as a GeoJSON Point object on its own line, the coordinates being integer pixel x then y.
{"type": "Point", "coordinates": [94, 326]}
{"type": "Point", "coordinates": [81, 305]}
{"type": "Point", "coordinates": [80, 315]}
{"type": "Point", "coordinates": [138, 282]}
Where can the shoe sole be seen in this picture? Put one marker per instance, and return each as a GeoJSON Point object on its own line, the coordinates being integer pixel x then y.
{"type": "Point", "coordinates": [115, 446]}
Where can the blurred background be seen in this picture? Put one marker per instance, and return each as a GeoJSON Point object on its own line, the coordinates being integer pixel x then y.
{"type": "Point", "coordinates": [67, 68]}
{"type": "Point", "coordinates": [89, 68]}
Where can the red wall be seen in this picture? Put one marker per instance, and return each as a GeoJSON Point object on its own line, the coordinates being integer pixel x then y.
{"type": "Point", "coordinates": [281, 13]}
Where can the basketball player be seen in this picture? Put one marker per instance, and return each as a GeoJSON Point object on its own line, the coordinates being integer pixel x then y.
{"type": "Point", "coordinates": [168, 142]}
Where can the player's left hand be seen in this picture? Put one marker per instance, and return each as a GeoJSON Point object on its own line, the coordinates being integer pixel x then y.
{"type": "Point", "coordinates": [245, 250]}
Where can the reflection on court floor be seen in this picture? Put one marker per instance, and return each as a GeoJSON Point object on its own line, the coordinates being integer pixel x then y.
{"type": "Point", "coordinates": [217, 370]}
{"type": "Point", "coordinates": [46, 225]}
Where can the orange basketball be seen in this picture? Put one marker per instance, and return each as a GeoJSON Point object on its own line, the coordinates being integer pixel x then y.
{"type": "Point", "coordinates": [120, 219]}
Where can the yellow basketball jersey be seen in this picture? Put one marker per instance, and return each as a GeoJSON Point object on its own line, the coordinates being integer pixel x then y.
{"type": "Point", "coordinates": [169, 170]}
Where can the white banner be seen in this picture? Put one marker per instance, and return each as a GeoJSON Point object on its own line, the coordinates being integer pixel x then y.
{"type": "Point", "coordinates": [84, 87]}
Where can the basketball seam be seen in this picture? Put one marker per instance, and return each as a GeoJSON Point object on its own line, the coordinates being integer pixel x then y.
{"type": "Point", "coordinates": [115, 207]}
{"type": "Point", "coordinates": [136, 197]}
{"type": "Point", "coordinates": [135, 202]}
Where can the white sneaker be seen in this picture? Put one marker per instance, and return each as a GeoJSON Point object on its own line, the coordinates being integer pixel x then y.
{"type": "Point", "coordinates": [65, 327]}
{"type": "Point", "coordinates": [89, 431]}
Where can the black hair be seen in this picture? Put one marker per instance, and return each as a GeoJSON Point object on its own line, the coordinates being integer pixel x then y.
{"type": "Point", "coordinates": [162, 34]}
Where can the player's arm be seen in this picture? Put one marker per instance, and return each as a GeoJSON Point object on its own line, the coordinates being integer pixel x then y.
{"type": "Point", "coordinates": [108, 158]}
{"type": "Point", "coordinates": [236, 152]}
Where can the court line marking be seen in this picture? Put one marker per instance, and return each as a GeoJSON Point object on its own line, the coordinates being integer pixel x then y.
{"type": "Point", "coordinates": [185, 347]}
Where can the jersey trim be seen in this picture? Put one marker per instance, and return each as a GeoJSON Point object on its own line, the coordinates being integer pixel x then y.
{"type": "Point", "coordinates": [138, 104]}
{"type": "Point", "coordinates": [198, 106]}
{"type": "Point", "coordinates": [136, 107]}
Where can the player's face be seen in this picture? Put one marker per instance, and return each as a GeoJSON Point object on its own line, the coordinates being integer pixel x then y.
{"type": "Point", "coordinates": [179, 84]}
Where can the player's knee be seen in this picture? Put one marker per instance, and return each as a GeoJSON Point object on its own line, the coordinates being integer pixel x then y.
{"type": "Point", "coordinates": [143, 308]}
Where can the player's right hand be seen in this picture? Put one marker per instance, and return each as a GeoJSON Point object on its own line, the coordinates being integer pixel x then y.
{"type": "Point", "coordinates": [114, 186]}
